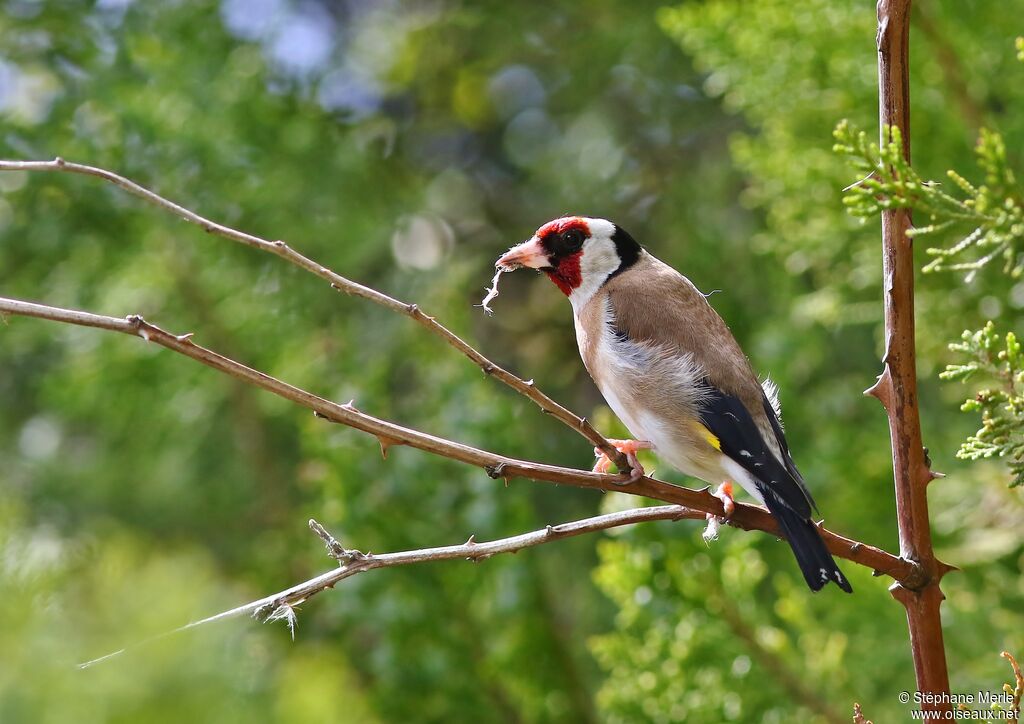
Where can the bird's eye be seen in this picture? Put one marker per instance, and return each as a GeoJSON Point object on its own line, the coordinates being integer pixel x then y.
{"type": "Point", "coordinates": [573, 239]}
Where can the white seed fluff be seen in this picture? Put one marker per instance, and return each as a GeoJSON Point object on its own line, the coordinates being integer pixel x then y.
{"type": "Point", "coordinates": [492, 291]}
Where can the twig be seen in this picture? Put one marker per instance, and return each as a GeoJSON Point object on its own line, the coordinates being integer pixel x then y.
{"type": "Point", "coordinates": [858, 715]}
{"type": "Point", "coordinates": [745, 517]}
{"type": "Point", "coordinates": [281, 605]}
{"type": "Point", "coordinates": [1018, 683]}
{"type": "Point", "coordinates": [279, 248]}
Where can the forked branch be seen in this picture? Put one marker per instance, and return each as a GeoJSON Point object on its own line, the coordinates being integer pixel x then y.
{"type": "Point", "coordinates": [746, 517]}
{"type": "Point", "coordinates": [280, 606]}
{"type": "Point", "coordinates": [279, 248]}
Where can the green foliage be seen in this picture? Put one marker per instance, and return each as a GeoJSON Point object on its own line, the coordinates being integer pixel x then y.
{"type": "Point", "coordinates": [998, 359]}
{"type": "Point", "coordinates": [992, 211]}
{"type": "Point", "coordinates": [405, 145]}
{"type": "Point", "coordinates": [989, 218]}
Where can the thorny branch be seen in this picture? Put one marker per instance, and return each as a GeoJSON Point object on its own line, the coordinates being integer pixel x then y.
{"type": "Point", "coordinates": [896, 388]}
{"type": "Point", "coordinates": [280, 606]}
{"type": "Point", "coordinates": [746, 517]}
{"type": "Point", "coordinates": [279, 248]}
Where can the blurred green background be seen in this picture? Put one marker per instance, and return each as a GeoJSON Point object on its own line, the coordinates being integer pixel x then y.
{"type": "Point", "coordinates": [406, 144]}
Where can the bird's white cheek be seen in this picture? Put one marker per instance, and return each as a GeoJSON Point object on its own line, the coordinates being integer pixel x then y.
{"type": "Point", "coordinates": [599, 261]}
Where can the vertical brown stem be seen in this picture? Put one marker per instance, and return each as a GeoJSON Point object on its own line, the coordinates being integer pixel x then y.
{"type": "Point", "coordinates": [897, 386]}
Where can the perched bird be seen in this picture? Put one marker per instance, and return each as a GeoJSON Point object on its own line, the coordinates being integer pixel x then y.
{"type": "Point", "coordinates": [671, 370]}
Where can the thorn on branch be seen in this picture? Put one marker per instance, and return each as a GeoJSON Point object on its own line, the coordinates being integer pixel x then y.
{"type": "Point", "coordinates": [139, 325]}
{"type": "Point", "coordinates": [187, 337]}
{"type": "Point", "coordinates": [385, 443]}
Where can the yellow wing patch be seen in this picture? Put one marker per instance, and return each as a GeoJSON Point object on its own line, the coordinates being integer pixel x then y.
{"type": "Point", "coordinates": [709, 436]}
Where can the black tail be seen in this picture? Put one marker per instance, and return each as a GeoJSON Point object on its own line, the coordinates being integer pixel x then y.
{"type": "Point", "coordinates": [815, 561]}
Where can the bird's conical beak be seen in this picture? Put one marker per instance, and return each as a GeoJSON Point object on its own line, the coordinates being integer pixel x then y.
{"type": "Point", "coordinates": [529, 253]}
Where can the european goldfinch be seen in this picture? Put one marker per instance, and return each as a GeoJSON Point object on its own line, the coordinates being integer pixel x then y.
{"type": "Point", "coordinates": [670, 369]}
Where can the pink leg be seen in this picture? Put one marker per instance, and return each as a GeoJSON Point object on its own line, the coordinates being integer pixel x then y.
{"type": "Point", "coordinates": [629, 449]}
{"type": "Point", "coordinates": [724, 493]}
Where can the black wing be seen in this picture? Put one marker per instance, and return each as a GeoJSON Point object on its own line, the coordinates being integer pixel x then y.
{"type": "Point", "coordinates": [740, 439]}
{"type": "Point", "coordinates": [778, 481]}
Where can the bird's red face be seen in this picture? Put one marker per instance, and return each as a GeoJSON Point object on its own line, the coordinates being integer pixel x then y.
{"type": "Point", "coordinates": [556, 249]}
{"type": "Point", "coordinates": [578, 254]}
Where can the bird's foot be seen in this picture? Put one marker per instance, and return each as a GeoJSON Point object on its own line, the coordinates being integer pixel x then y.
{"type": "Point", "coordinates": [724, 493]}
{"type": "Point", "coordinates": [628, 448]}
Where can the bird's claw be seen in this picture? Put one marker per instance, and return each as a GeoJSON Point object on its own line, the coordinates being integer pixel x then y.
{"type": "Point", "coordinates": [628, 448]}
{"type": "Point", "coordinates": [724, 493]}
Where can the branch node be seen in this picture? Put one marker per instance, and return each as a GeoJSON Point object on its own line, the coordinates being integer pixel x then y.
{"type": "Point", "coordinates": [496, 471]}
{"type": "Point", "coordinates": [488, 368]}
{"type": "Point", "coordinates": [138, 325]}
{"type": "Point", "coordinates": [59, 162]}
{"type": "Point", "coordinates": [279, 244]}
{"type": "Point", "coordinates": [412, 309]}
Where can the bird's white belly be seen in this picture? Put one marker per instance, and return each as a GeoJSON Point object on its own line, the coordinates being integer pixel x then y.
{"type": "Point", "coordinates": [617, 382]}
{"type": "Point", "coordinates": [620, 365]}
{"type": "Point", "coordinates": [646, 426]}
